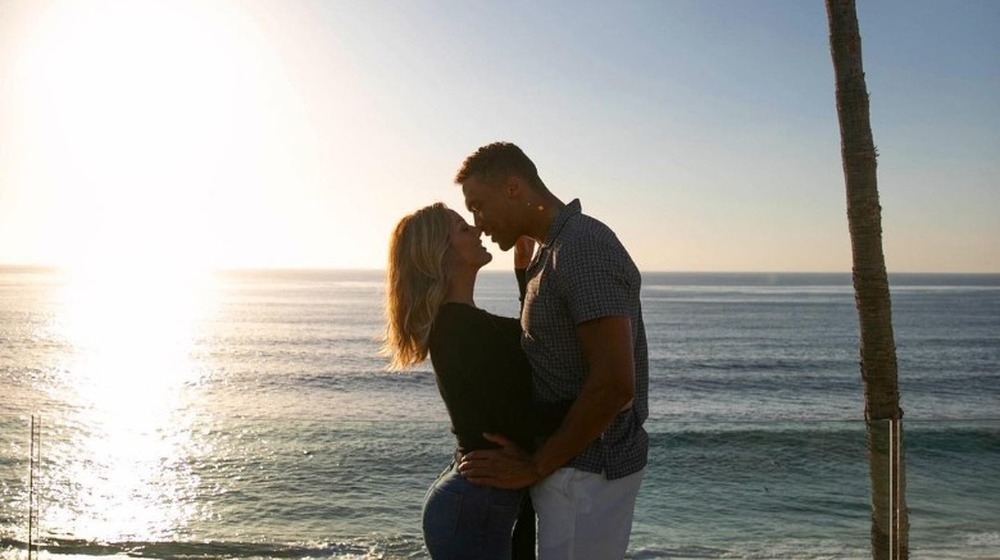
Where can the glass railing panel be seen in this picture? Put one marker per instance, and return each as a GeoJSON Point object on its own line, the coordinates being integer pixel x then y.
{"type": "Point", "coordinates": [775, 489]}
{"type": "Point", "coordinates": [952, 488]}
{"type": "Point", "coordinates": [754, 490]}
{"type": "Point", "coordinates": [18, 484]}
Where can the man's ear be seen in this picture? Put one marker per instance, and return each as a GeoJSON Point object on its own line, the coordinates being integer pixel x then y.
{"type": "Point", "coordinates": [513, 187]}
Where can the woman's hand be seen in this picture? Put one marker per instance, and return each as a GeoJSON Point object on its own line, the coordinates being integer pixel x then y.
{"type": "Point", "coordinates": [524, 250]}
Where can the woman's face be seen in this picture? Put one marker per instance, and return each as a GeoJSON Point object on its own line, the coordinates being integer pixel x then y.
{"type": "Point", "coordinates": [466, 246]}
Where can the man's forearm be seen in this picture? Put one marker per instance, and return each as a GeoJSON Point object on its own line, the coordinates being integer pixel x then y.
{"type": "Point", "coordinates": [591, 414]}
{"type": "Point", "coordinates": [610, 386]}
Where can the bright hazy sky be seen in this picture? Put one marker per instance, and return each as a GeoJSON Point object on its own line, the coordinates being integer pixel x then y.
{"type": "Point", "coordinates": [286, 133]}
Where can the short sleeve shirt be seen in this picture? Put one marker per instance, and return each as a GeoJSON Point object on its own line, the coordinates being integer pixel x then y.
{"type": "Point", "coordinates": [583, 272]}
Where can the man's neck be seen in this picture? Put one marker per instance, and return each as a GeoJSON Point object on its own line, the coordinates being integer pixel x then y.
{"type": "Point", "coordinates": [543, 212]}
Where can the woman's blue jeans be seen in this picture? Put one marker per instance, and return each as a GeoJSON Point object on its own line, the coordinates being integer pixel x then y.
{"type": "Point", "coordinates": [467, 522]}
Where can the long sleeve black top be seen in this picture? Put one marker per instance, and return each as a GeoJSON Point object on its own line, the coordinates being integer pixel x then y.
{"type": "Point", "coordinates": [482, 375]}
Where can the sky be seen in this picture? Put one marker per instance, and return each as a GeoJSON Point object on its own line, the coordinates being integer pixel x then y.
{"type": "Point", "coordinates": [198, 134]}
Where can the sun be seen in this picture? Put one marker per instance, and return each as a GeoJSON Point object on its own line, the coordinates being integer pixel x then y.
{"type": "Point", "coordinates": [160, 134]}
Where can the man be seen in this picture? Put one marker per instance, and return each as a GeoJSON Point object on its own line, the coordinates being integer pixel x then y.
{"type": "Point", "coordinates": [584, 337]}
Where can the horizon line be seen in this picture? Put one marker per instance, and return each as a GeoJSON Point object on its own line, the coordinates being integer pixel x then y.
{"type": "Point", "coordinates": [289, 268]}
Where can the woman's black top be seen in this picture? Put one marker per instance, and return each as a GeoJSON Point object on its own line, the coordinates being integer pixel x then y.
{"type": "Point", "coordinates": [483, 376]}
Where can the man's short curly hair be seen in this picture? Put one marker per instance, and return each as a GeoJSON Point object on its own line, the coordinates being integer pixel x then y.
{"type": "Point", "coordinates": [497, 161]}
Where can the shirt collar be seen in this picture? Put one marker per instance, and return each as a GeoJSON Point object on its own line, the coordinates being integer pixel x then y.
{"type": "Point", "coordinates": [568, 211]}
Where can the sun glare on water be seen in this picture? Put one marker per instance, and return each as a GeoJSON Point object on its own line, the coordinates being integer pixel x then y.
{"type": "Point", "coordinates": [121, 468]}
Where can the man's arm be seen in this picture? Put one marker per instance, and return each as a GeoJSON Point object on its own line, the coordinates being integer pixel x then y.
{"type": "Point", "coordinates": [609, 388]}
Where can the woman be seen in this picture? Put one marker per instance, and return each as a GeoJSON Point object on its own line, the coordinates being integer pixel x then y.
{"type": "Point", "coordinates": [481, 372]}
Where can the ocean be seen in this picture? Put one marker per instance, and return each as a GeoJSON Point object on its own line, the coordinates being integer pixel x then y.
{"type": "Point", "coordinates": [248, 414]}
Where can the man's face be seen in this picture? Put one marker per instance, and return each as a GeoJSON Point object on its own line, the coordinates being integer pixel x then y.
{"type": "Point", "coordinates": [491, 210]}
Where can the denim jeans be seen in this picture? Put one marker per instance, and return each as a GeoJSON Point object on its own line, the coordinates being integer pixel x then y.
{"type": "Point", "coordinates": [467, 522]}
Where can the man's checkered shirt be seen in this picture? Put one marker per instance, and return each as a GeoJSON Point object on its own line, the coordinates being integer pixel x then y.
{"type": "Point", "coordinates": [582, 272]}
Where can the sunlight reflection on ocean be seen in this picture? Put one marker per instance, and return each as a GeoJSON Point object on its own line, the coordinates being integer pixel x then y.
{"type": "Point", "coordinates": [166, 404]}
{"type": "Point", "coordinates": [249, 415]}
{"type": "Point", "coordinates": [128, 386]}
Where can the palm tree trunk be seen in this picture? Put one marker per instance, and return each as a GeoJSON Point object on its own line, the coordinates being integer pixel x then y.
{"type": "Point", "coordinates": [883, 416]}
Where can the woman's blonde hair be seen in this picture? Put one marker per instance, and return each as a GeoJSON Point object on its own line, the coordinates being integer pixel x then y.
{"type": "Point", "coordinates": [416, 283]}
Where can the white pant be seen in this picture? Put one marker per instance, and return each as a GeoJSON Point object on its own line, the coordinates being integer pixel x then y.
{"type": "Point", "coordinates": [584, 516]}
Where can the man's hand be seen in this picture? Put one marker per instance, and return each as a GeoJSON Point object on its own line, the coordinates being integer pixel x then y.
{"type": "Point", "coordinates": [506, 467]}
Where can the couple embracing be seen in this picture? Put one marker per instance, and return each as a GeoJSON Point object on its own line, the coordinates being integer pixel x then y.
{"type": "Point", "coordinates": [547, 409]}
